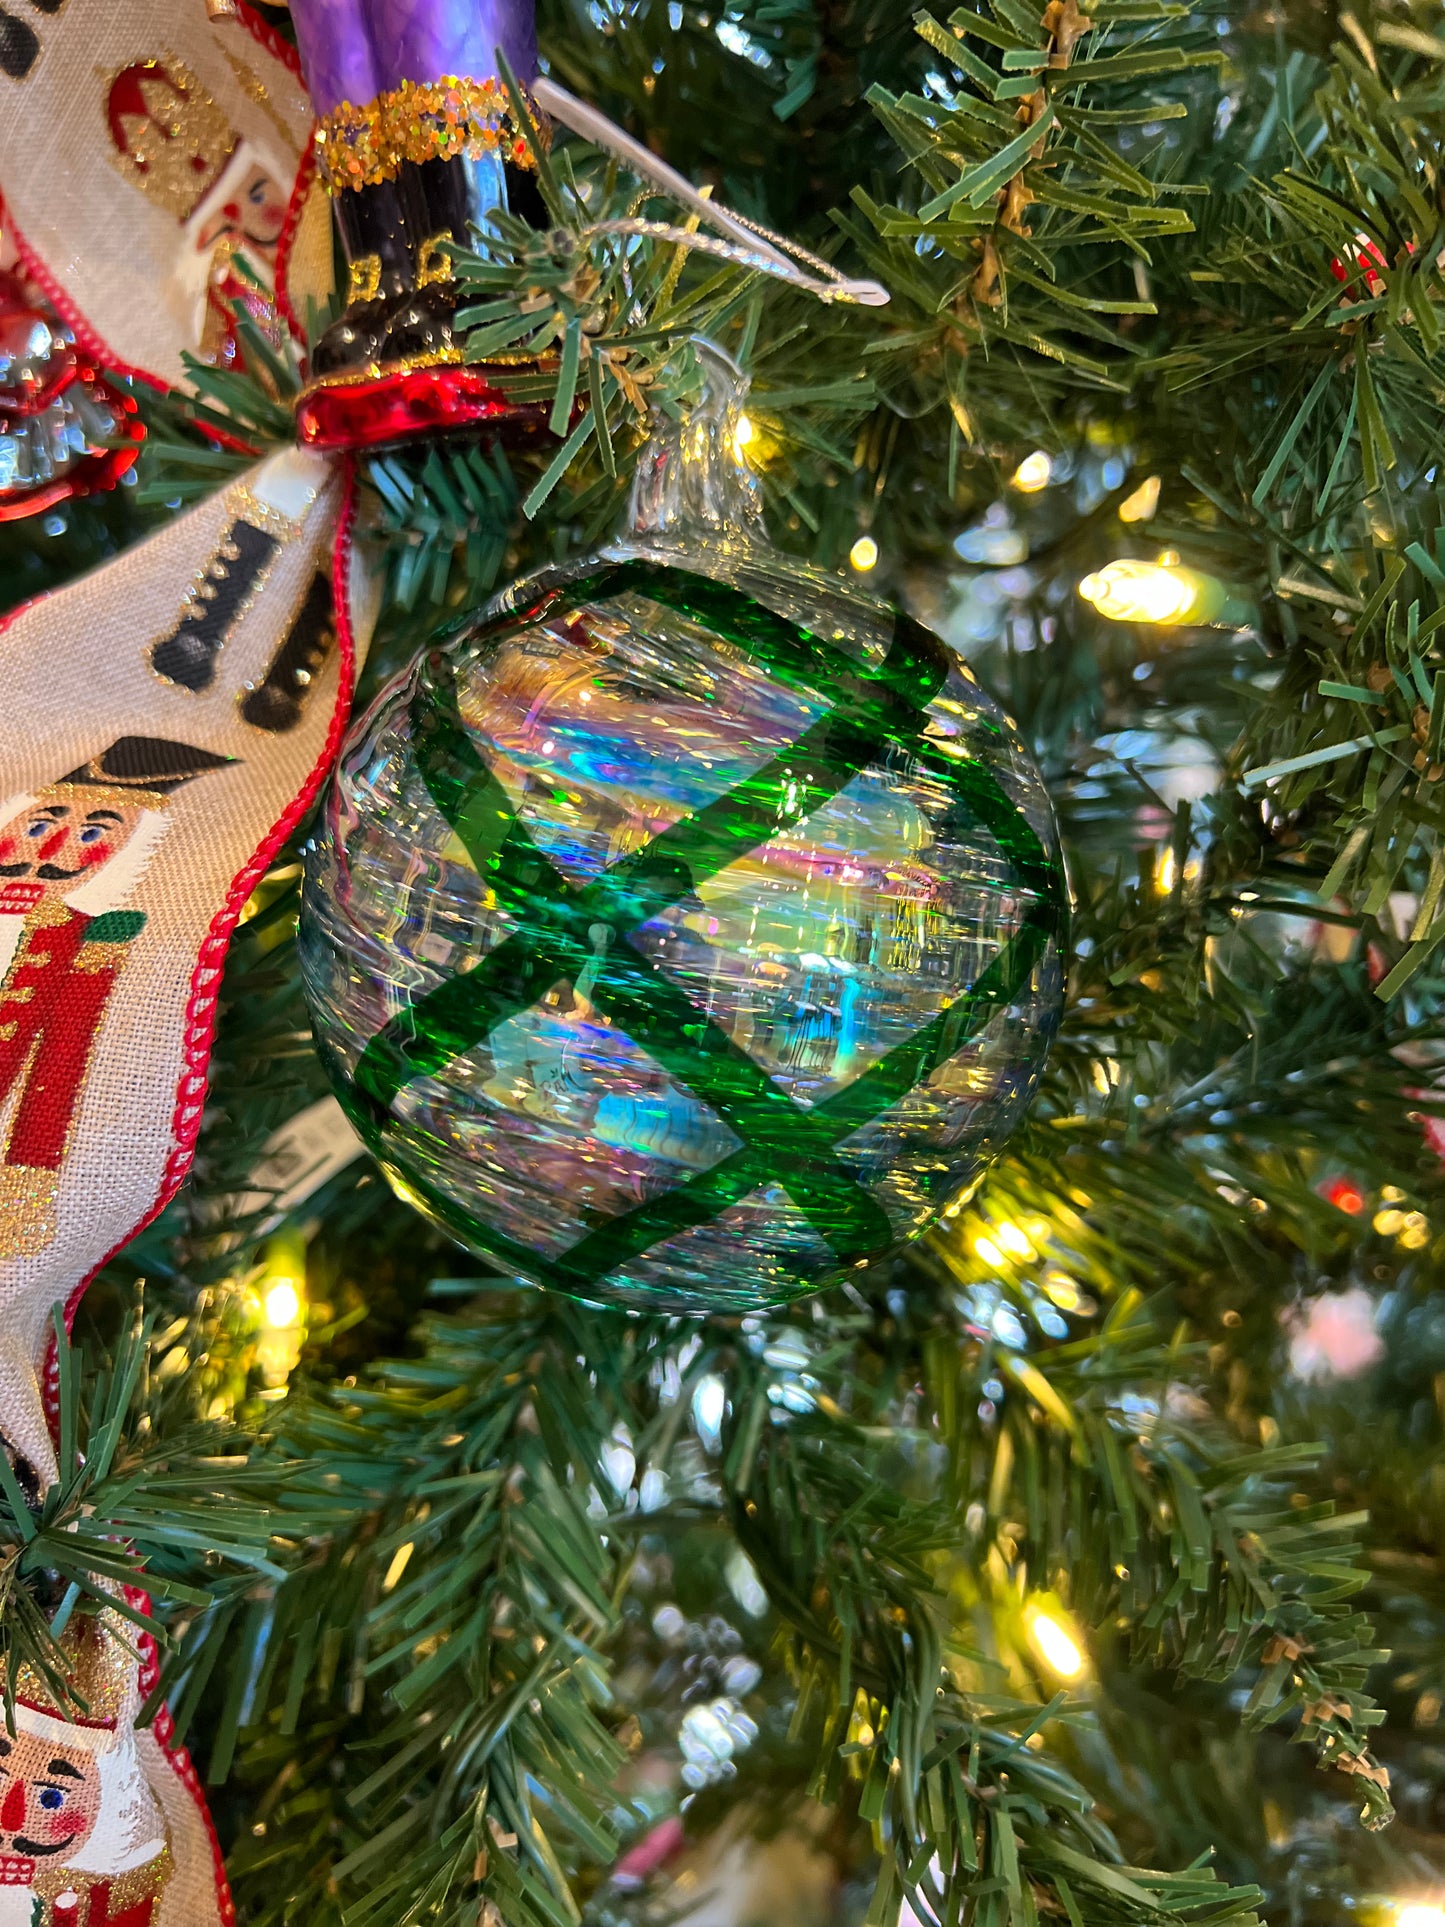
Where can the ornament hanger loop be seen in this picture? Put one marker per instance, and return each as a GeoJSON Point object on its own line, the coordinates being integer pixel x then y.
{"type": "Point", "coordinates": [744, 242]}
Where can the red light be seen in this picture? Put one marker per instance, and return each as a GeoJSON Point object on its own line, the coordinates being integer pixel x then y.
{"type": "Point", "coordinates": [1345, 1195]}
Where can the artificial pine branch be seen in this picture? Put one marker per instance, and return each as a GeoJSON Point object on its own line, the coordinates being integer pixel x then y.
{"type": "Point", "coordinates": [902, 1470]}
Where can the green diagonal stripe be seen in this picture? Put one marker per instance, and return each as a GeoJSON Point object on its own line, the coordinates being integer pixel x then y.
{"type": "Point", "coordinates": [703, 1057]}
{"type": "Point", "coordinates": [944, 1036]}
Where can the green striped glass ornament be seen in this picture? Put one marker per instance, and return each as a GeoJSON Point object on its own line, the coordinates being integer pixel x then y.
{"type": "Point", "coordinates": [688, 932]}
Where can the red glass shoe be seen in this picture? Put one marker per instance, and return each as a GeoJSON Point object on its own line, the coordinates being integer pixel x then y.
{"type": "Point", "coordinates": [378, 405]}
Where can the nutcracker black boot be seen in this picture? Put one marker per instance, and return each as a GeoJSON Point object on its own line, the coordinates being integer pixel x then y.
{"type": "Point", "coordinates": [392, 367]}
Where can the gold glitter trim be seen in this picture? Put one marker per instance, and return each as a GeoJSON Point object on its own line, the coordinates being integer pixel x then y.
{"type": "Point", "coordinates": [433, 120]}
{"type": "Point", "coordinates": [246, 506]}
{"type": "Point", "coordinates": [27, 1220]}
{"type": "Point", "coordinates": [255, 89]}
{"type": "Point", "coordinates": [363, 278]}
{"type": "Point", "coordinates": [433, 263]}
{"type": "Point", "coordinates": [49, 910]}
{"type": "Point", "coordinates": [177, 149]}
{"type": "Point", "coordinates": [97, 1667]}
{"type": "Point", "coordinates": [125, 1893]}
{"type": "Point", "coordinates": [374, 370]}
{"type": "Point", "coordinates": [93, 957]}
{"type": "Point", "coordinates": [103, 796]}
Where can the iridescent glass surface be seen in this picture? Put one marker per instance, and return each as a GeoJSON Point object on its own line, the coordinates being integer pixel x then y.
{"type": "Point", "coordinates": [682, 939]}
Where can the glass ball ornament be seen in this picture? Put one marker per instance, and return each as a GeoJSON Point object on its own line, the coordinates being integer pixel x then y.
{"type": "Point", "coordinates": [688, 931]}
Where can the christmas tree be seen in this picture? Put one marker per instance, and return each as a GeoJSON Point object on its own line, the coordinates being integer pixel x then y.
{"type": "Point", "coordinates": [1082, 1561]}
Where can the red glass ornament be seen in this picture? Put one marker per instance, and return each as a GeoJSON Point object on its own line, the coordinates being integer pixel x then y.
{"type": "Point", "coordinates": [57, 414]}
{"type": "Point", "coordinates": [1364, 260]}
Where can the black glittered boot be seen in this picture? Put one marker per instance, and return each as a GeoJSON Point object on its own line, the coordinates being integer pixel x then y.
{"type": "Point", "coordinates": [392, 369]}
{"type": "Point", "coordinates": [376, 224]}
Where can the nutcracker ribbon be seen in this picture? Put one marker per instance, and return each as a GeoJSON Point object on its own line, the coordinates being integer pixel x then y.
{"type": "Point", "coordinates": [149, 163]}
{"type": "Point", "coordinates": [102, 1821]}
{"type": "Point", "coordinates": [168, 719]}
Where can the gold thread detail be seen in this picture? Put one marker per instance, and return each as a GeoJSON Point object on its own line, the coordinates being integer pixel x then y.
{"type": "Point", "coordinates": [254, 88]}
{"type": "Point", "coordinates": [247, 506]}
{"type": "Point", "coordinates": [126, 1892]}
{"type": "Point", "coordinates": [94, 1661]}
{"type": "Point", "coordinates": [374, 370]}
{"type": "Point", "coordinates": [167, 135]}
{"type": "Point", "coordinates": [363, 278]}
{"type": "Point", "coordinates": [433, 263]}
{"type": "Point", "coordinates": [92, 957]}
{"type": "Point", "coordinates": [242, 505]}
{"type": "Point", "coordinates": [434, 120]}
{"type": "Point", "coordinates": [103, 796]}
{"type": "Point", "coordinates": [28, 1195]}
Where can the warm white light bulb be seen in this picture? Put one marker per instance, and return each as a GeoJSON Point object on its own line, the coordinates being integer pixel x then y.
{"type": "Point", "coordinates": [864, 554]}
{"type": "Point", "coordinates": [1420, 1913]}
{"type": "Point", "coordinates": [1056, 1645]}
{"type": "Point", "coordinates": [1014, 1241]}
{"type": "Point", "coordinates": [744, 434]}
{"type": "Point", "coordinates": [282, 1304]}
{"type": "Point", "coordinates": [1142, 503]}
{"type": "Point", "coordinates": [1033, 473]}
{"type": "Point", "coordinates": [1131, 591]}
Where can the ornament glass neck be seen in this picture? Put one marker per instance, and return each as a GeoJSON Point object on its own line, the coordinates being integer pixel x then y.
{"type": "Point", "coordinates": [692, 485]}
{"type": "Point", "coordinates": [697, 504]}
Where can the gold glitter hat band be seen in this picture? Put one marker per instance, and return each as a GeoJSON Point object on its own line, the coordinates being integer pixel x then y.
{"type": "Point", "coordinates": [433, 120]}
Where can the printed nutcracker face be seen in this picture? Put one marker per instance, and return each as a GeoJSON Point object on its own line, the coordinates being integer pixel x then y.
{"type": "Point", "coordinates": [253, 217]}
{"type": "Point", "coordinates": [64, 837]}
{"type": "Point", "coordinates": [49, 1797]}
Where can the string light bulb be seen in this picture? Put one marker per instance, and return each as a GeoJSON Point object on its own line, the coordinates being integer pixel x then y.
{"type": "Point", "coordinates": [281, 1307]}
{"type": "Point", "coordinates": [1134, 591]}
{"type": "Point", "coordinates": [281, 1298]}
{"type": "Point", "coordinates": [1033, 473]}
{"type": "Point", "coordinates": [1419, 1913]}
{"type": "Point", "coordinates": [1058, 1643]}
{"type": "Point", "coordinates": [1345, 1195]}
{"type": "Point", "coordinates": [1014, 1241]}
{"type": "Point", "coordinates": [864, 554]}
{"type": "Point", "coordinates": [1142, 503]}
{"type": "Point", "coordinates": [754, 443]}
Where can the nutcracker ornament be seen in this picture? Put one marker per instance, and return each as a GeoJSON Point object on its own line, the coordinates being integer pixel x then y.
{"type": "Point", "coordinates": [149, 162]}
{"type": "Point", "coordinates": [689, 932]}
{"type": "Point", "coordinates": [417, 143]}
{"type": "Point", "coordinates": [101, 1820]}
